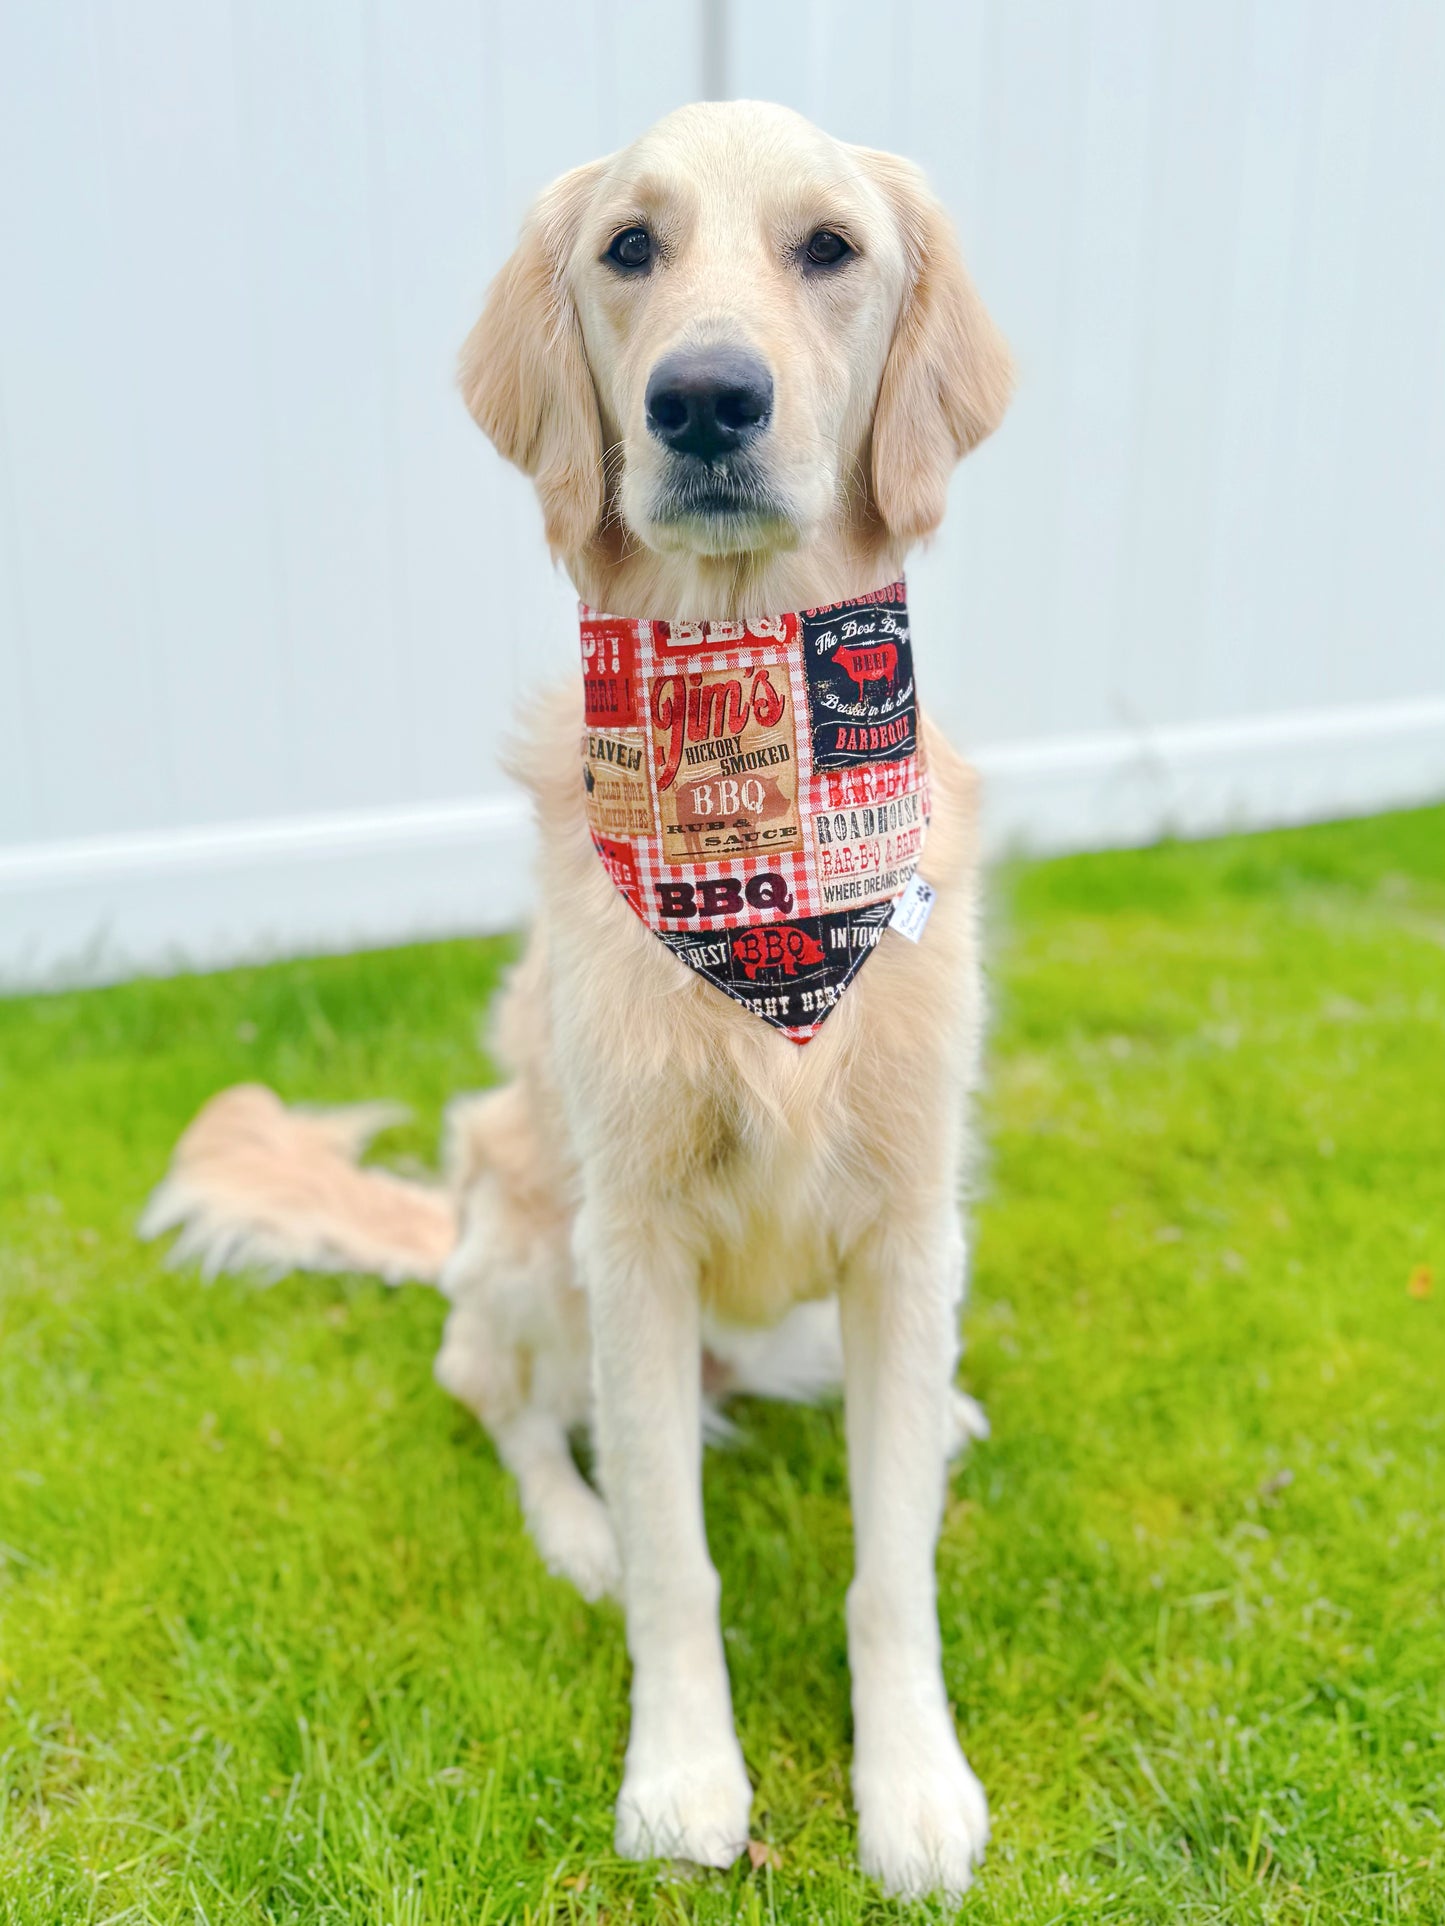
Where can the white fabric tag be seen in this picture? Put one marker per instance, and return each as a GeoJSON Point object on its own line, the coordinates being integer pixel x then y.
{"type": "Point", "coordinates": [913, 908]}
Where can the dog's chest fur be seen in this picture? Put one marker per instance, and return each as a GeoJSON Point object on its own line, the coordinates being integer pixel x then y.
{"type": "Point", "coordinates": [766, 1161]}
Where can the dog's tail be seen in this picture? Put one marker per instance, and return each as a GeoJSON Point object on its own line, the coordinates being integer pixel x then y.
{"type": "Point", "coordinates": [254, 1185]}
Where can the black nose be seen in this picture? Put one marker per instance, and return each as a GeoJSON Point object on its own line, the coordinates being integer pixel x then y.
{"type": "Point", "coordinates": [709, 401]}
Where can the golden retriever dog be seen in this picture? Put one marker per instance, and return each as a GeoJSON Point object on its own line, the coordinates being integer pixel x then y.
{"type": "Point", "coordinates": [670, 1198]}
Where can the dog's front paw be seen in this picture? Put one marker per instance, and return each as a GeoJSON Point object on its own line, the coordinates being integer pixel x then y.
{"type": "Point", "coordinates": [922, 1817]}
{"type": "Point", "coordinates": [694, 1807]}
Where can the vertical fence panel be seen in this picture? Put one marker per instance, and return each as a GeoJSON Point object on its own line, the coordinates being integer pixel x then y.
{"type": "Point", "coordinates": [81, 539]}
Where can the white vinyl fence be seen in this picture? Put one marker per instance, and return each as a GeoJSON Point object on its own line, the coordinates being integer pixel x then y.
{"type": "Point", "coordinates": [267, 598]}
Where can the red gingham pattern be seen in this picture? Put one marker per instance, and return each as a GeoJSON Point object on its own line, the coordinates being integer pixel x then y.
{"type": "Point", "coordinates": [657, 655]}
{"type": "Point", "coordinates": [794, 864]}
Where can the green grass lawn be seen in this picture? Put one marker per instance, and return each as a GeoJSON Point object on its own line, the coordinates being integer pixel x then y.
{"type": "Point", "coordinates": [273, 1642]}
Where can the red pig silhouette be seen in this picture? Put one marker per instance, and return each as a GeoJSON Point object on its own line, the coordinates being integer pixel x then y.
{"type": "Point", "coordinates": [776, 946]}
{"type": "Point", "coordinates": [875, 664]}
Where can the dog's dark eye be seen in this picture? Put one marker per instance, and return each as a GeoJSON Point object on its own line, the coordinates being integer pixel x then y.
{"type": "Point", "coordinates": [631, 249]}
{"type": "Point", "coordinates": [827, 249]}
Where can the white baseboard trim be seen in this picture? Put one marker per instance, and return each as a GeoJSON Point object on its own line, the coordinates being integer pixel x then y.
{"type": "Point", "coordinates": [99, 910]}
{"type": "Point", "coordinates": [1130, 787]}
{"type": "Point", "coordinates": [204, 898]}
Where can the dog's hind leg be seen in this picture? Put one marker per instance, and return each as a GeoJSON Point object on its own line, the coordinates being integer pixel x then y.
{"type": "Point", "coordinates": [517, 1397]}
{"type": "Point", "coordinates": [565, 1516]}
{"type": "Point", "coordinates": [800, 1360]}
{"type": "Point", "coordinates": [515, 1349]}
{"type": "Point", "coordinates": [967, 1423]}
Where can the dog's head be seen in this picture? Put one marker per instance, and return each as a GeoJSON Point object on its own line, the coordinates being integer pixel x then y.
{"type": "Point", "coordinates": [733, 336]}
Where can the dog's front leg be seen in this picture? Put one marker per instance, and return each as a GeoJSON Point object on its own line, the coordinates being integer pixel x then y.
{"type": "Point", "coordinates": [922, 1816]}
{"type": "Point", "coordinates": [685, 1793]}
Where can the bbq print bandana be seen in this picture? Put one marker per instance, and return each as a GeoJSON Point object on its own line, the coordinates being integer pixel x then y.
{"type": "Point", "coordinates": [755, 792]}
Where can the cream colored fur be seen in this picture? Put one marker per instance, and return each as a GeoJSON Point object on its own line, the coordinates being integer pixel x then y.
{"type": "Point", "coordinates": [255, 1186]}
{"type": "Point", "coordinates": [662, 1168]}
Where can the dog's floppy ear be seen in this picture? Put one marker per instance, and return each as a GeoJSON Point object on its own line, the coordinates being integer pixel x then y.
{"type": "Point", "coordinates": [524, 372]}
{"type": "Point", "coordinates": [948, 376]}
